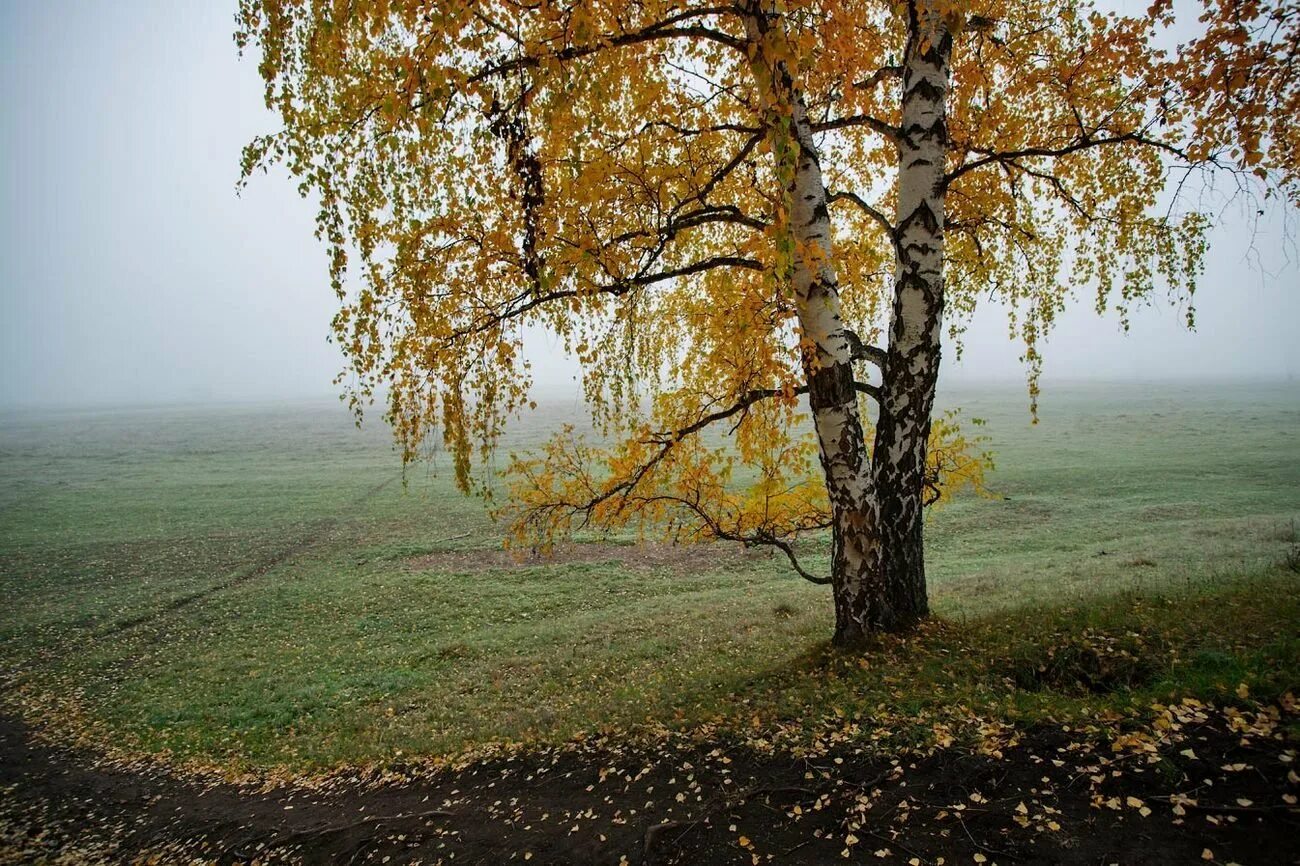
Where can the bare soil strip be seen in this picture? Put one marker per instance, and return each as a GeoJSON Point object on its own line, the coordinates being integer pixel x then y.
{"type": "Point", "coordinates": [647, 556]}
{"type": "Point", "coordinates": [1049, 799]}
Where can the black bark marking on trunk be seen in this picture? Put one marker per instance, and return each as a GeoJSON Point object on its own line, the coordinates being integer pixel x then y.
{"type": "Point", "coordinates": [830, 386]}
{"type": "Point", "coordinates": [924, 215]}
{"type": "Point", "coordinates": [937, 130]}
{"type": "Point", "coordinates": [923, 89]}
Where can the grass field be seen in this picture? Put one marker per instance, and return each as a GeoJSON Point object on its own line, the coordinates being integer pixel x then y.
{"type": "Point", "coordinates": [255, 587]}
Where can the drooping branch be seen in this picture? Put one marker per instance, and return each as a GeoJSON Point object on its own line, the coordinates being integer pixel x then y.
{"type": "Point", "coordinates": [636, 491]}
{"type": "Point", "coordinates": [637, 488]}
{"type": "Point", "coordinates": [528, 301]}
{"type": "Point", "coordinates": [758, 538]}
{"type": "Point", "coordinates": [666, 441]}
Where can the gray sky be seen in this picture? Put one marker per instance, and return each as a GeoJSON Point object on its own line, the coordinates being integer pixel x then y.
{"type": "Point", "coordinates": [131, 272]}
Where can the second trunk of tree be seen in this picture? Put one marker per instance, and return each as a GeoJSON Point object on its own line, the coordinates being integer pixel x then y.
{"type": "Point", "coordinates": [898, 464]}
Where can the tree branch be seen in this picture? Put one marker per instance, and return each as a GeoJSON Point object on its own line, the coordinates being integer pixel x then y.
{"type": "Point", "coordinates": [666, 440]}
{"type": "Point", "coordinates": [867, 209]}
{"type": "Point", "coordinates": [893, 133]}
{"type": "Point", "coordinates": [870, 390]}
{"type": "Point", "coordinates": [860, 351]}
{"type": "Point", "coordinates": [702, 216]}
{"type": "Point", "coordinates": [746, 399]}
{"type": "Point", "coordinates": [690, 131]}
{"type": "Point", "coordinates": [1084, 142]}
{"type": "Point", "coordinates": [759, 538]}
{"type": "Point", "coordinates": [625, 490]}
{"type": "Point", "coordinates": [616, 288]}
{"type": "Point", "coordinates": [668, 28]}
{"type": "Point", "coordinates": [875, 78]}
{"type": "Point", "coordinates": [718, 176]}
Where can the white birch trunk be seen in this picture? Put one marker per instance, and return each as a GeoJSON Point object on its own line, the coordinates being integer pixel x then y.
{"type": "Point", "coordinates": [912, 359]}
{"type": "Point", "coordinates": [828, 365]}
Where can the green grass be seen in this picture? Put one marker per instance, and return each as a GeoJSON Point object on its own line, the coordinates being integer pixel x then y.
{"type": "Point", "coordinates": [233, 585]}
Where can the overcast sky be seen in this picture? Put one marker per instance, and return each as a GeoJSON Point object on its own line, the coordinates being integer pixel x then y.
{"type": "Point", "coordinates": [130, 272]}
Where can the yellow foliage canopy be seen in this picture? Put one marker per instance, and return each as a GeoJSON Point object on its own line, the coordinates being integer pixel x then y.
{"type": "Point", "coordinates": [609, 171]}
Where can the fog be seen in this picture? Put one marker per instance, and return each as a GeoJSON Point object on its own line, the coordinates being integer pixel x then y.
{"type": "Point", "coordinates": [130, 272]}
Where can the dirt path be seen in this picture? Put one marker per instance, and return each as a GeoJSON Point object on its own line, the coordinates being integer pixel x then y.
{"type": "Point", "coordinates": [1048, 799]}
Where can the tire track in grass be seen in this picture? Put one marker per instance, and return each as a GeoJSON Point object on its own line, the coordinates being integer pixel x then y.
{"type": "Point", "coordinates": [313, 537]}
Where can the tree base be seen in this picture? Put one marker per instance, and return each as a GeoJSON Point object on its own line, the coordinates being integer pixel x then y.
{"type": "Point", "coordinates": [852, 634]}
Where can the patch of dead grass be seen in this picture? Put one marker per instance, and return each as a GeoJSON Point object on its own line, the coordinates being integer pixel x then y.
{"type": "Point", "coordinates": [646, 556]}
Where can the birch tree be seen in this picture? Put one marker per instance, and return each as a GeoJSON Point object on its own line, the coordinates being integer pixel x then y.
{"type": "Point", "coordinates": [754, 224]}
